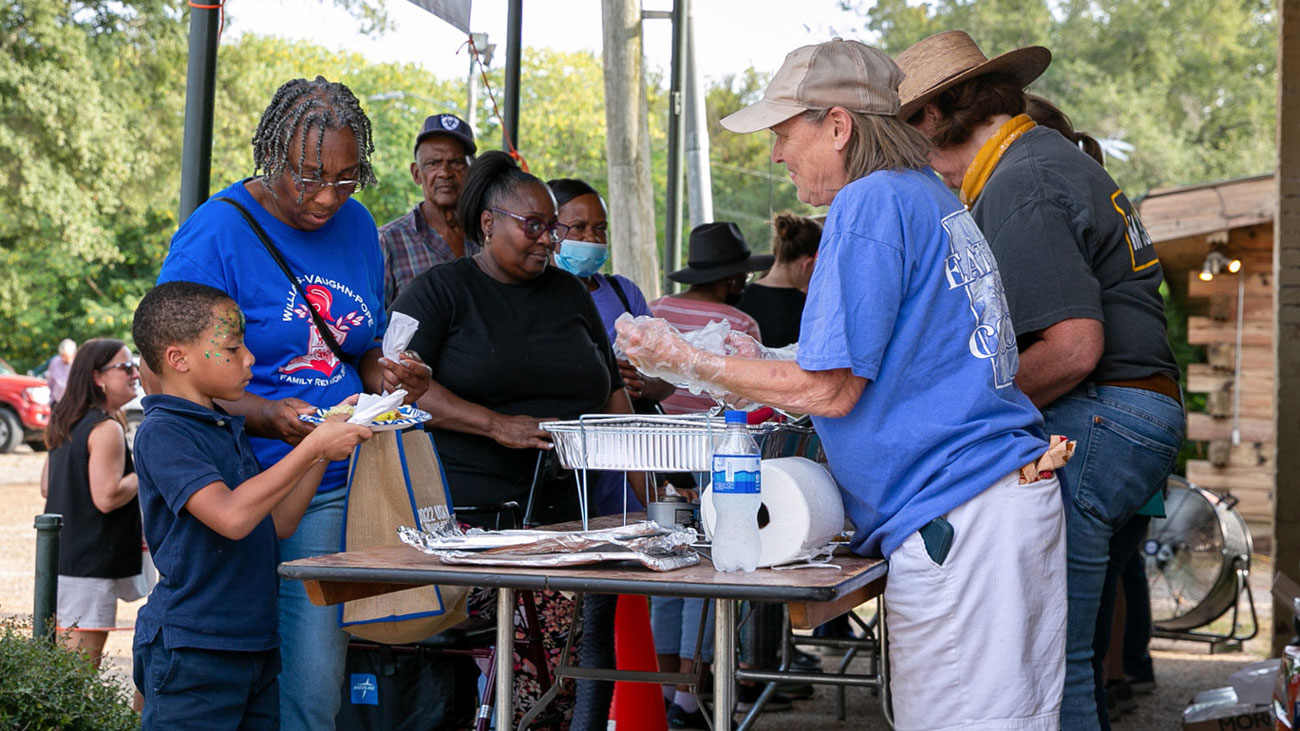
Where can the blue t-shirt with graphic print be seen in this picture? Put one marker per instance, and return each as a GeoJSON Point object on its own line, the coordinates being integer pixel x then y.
{"type": "Point", "coordinates": [906, 293]}
{"type": "Point", "coordinates": [340, 268]}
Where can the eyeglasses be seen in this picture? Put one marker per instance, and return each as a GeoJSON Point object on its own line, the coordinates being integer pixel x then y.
{"type": "Point", "coordinates": [309, 187]}
{"type": "Point", "coordinates": [130, 368]}
{"type": "Point", "coordinates": [535, 227]}
{"type": "Point", "coordinates": [454, 164]}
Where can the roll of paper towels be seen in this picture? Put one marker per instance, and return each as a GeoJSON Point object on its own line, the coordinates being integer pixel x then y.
{"type": "Point", "coordinates": [804, 510]}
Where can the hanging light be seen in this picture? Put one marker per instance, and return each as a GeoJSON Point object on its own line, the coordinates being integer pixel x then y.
{"type": "Point", "coordinates": [1215, 263]}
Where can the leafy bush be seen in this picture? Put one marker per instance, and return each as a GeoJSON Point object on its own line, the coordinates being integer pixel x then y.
{"type": "Point", "coordinates": [47, 686]}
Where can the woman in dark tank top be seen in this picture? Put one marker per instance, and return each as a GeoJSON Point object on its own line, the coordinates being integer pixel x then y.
{"type": "Point", "coordinates": [775, 300]}
{"type": "Point", "coordinates": [90, 480]}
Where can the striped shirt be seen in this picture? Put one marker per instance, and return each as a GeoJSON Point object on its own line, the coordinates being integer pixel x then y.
{"type": "Point", "coordinates": [410, 247]}
{"type": "Point", "coordinates": [687, 316]}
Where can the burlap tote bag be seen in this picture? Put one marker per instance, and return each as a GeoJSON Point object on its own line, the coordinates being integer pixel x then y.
{"type": "Point", "coordinates": [396, 479]}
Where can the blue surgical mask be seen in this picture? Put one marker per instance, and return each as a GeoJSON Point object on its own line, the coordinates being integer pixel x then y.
{"type": "Point", "coordinates": [581, 258]}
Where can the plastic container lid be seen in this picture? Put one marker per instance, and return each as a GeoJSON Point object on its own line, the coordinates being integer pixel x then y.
{"type": "Point", "coordinates": [736, 417]}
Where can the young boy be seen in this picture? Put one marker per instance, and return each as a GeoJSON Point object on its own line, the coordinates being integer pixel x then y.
{"type": "Point", "coordinates": [206, 646]}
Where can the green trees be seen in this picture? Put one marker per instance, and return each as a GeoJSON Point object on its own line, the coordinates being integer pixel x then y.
{"type": "Point", "coordinates": [748, 187]}
{"type": "Point", "coordinates": [92, 97]}
{"type": "Point", "coordinates": [80, 190]}
{"type": "Point", "coordinates": [1190, 84]}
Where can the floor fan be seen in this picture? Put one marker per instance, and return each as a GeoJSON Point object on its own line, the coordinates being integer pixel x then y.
{"type": "Point", "coordinates": [1198, 565]}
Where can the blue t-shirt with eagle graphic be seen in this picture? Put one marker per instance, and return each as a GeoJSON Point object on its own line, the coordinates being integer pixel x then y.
{"type": "Point", "coordinates": [340, 268]}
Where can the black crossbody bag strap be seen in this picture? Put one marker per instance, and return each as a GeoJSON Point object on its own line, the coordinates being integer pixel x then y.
{"type": "Point", "coordinates": [321, 327]}
{"type": "Point", "coordinates": [618, 290]}
{"type": "Point", "coordinates": [639, 405]}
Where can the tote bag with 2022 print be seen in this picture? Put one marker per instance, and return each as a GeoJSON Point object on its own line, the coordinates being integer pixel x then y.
{"type": "Point", "coordinates": [395, 480]}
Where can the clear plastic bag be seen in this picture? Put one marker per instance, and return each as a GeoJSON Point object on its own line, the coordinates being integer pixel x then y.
{"type": "Point", "coordinates": [678, 352]}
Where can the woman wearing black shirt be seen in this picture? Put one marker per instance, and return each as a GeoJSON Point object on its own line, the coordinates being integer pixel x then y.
{"type": "Point", "coordinates": [776, 299]}
{"type": "Point", "coordinates": [512, 342]}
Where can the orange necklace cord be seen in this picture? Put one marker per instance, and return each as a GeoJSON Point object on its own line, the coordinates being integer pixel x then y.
{"type": "Point", "coordinates": [221, 6]}
{"type": "Point", "coordinates": [510, 144]}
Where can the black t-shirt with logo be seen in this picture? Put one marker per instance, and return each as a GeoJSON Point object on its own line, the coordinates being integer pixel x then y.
{"type": "Point", "coordinates": [536, 349]}
{"type": "Point", "coordinates": [1069, 245]}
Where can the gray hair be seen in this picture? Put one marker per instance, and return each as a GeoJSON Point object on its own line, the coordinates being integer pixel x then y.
{"type": "Point", "coordinates": [878, 142]}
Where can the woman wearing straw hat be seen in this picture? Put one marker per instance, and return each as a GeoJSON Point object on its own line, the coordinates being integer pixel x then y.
{"type": "Point", "coordinates": [907, 364]}
{"type": "Point", "coordinates": [1082, 282]}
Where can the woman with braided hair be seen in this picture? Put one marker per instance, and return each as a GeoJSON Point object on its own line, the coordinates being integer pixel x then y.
{"type": "Point", "coordinates": [302, 260]}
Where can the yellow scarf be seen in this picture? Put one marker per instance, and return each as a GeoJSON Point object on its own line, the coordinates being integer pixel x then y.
{"type": "Point", "coordinates": [990, 153]}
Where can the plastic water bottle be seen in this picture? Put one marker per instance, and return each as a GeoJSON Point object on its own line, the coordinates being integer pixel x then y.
{"type": "Point", "coordinates": [737, 497]}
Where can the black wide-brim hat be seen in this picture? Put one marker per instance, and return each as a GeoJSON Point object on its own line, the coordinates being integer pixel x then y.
{"type": "Point", "coordinates": [718, 250]}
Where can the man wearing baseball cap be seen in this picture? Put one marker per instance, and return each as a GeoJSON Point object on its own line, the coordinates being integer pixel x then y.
{"type": "Point", "coordinates": [1083, 288]}
{"type": "Point", "coordinates": [430, 233]}
{"type": "Point", "coordinates": [907, 365]}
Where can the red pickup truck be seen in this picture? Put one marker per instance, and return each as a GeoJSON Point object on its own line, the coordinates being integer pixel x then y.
{"type": "Point", "coordinates": [24, 409]}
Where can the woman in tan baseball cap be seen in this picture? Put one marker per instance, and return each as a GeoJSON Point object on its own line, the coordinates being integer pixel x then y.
{"type": "Point", "coordinates": [1083, 289]}
{"type": "Point", "coordinates": [907, 365]}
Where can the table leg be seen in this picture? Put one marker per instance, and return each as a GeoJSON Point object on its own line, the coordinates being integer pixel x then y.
{"type": "Point", "coordinates": [724, 662]}
{"type": "Point", "coordinates": [505, 660]}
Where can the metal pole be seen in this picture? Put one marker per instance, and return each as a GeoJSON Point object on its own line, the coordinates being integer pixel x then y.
{"type": "Point", "coordinates": [505, 662]}
{"type": "Point", "coordinates": [514, 25]}
{"type": "Point", "coordinates": [699, 180]}
{"type": "Point", "coordinates": [676, 146]}
{"type": "Point", "coordinates": [724, 662]}
{"type": "Point", "coordinates": [48, 526]}
{"type": "Point", "coordinates": [200, 90]}
{"type": "Point", "coordinates": [471, 105]}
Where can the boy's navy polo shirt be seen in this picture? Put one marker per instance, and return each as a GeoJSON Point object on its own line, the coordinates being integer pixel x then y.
{"type": "Point", "coordinates": [212, 593]}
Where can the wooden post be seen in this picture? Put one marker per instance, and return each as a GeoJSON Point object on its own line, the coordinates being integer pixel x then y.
{"type": "Point", "coordinates": [634, 246]}
{"type": "Point", "coordinates": [1286, 301]}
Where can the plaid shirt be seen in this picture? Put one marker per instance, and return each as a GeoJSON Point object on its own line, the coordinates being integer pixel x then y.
{"type": "Point", "coordinates": [410, 247]}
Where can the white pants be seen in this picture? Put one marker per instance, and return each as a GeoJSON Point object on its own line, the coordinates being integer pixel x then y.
{"type": "Point", "coordinates": [979, 642]}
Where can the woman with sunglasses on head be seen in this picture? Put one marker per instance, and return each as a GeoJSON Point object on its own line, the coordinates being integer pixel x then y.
{"type": "Point", "coordinates": [301, 257]}
{"type": "Point", "coordinates": [513, 341]}
{"type": "Point", "coordinates": [90, 480]}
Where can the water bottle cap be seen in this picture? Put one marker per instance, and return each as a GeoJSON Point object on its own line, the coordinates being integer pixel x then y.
{"type": "Point", "coordinates": [736, 417]}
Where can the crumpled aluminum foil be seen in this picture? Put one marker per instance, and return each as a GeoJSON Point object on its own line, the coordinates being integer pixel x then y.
{"type": "Point", "coordinates": [581, 558]}
{"type": "Point", "coordinates": [645, 542]}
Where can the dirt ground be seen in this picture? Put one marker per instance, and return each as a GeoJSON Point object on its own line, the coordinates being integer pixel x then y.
{"type": "Point", "coordinates": [1182, 668]}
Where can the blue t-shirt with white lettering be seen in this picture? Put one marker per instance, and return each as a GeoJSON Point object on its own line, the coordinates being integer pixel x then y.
{"type": "Point", "coordinates": [213, 592]}
{"type": "Point", "coordinates": [339, 266]}
{"type": "Point", "coordinates": [906, 293]}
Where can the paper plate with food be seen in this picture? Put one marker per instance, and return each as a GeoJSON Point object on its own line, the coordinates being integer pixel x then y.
{"type": "Point", "coordinates": [398, 418]}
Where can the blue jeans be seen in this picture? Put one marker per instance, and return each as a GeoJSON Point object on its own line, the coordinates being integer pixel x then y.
{"type": "Point", "coordinates": [675, 623]}
{"type": "Point", "coordinates": [312, 647]}
{"type": "Point", "coordinates": [1137, 619]}
{"type": "Point", "coordinates": [192, 688]}
{"type": "Point", "coordinates": [1123, 546]}
{"type": "Point", "coordinates": [1128, 441]}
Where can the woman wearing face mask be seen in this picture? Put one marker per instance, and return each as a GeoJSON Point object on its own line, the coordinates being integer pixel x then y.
{"type": "Point", "coordinates": [582, 253]}
{"type": "Point", "coordinates": [776, 299]}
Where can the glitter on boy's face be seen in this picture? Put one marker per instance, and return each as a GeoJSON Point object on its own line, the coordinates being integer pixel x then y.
{"type": "Point", "coordinates": [230, 323]}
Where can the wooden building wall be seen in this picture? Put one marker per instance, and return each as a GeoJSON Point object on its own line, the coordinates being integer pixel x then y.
{"type": "Point", "coordinates": [1245, 469]}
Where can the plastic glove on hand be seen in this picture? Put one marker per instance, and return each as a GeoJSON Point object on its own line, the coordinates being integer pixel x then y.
{"type": "Point", "coordinates": [655, 347]}
{"type": "Point", "coordinates": [742, 345]}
